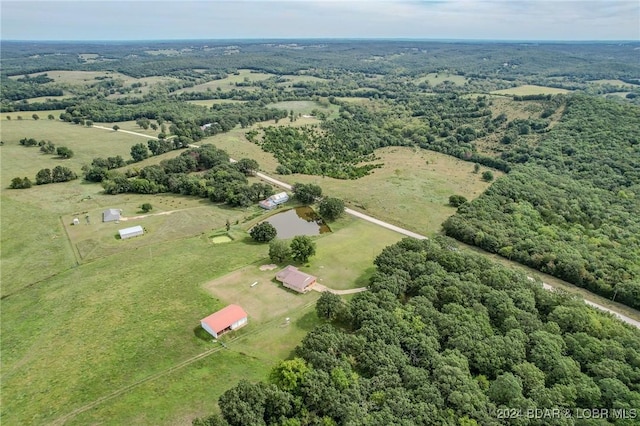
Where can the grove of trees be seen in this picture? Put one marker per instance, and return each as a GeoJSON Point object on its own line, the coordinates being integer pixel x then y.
{"type": "Point", "coordinates": [203, 172]}
{"type": "Point", "coordinates": [572, 210]}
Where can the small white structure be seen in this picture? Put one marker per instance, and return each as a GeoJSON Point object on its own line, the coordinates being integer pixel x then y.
{"type": "Point", "coordinates": [111, 215]}
{"type": "Point", "coordinates": [134, 231]}
{"type": "Point", "coordinates": [76, 221]}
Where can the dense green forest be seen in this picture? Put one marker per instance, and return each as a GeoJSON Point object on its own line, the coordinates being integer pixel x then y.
{"type": "Point", "coordinates": [445, 337]}
{"type": "Point", "coordinates": [573, 209]}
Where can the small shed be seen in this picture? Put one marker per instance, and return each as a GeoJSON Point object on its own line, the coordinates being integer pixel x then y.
{"type": "Point", "coordinates": [230, 318]}
{"type": "Point", "coordinates": [134, 231]}
{"type": "Point", "coordinates": [294, 279]}
{"type": "Point", "coordinates": [76, 221]}
{"type": "Point", "coordinates": [111, 215]}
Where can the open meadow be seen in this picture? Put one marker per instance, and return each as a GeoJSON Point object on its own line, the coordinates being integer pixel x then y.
{"type": "Point", "coordinates": [411, 190]}
{"type": "Point", "coordinates": [435, 78]}
{"type": "Point", "coordinates": [229, 82]}
{"type": "Point", "coordinates": [117, 331]}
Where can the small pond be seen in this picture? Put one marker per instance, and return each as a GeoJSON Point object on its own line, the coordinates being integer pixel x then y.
{"type": "Point", "coordinates": [298, 221]}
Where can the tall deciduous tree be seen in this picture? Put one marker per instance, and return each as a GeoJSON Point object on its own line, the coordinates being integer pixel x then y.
{"type": "Point", "coordinates": [139, 152]}
{"type": "Point", "coordinates": [279, 251]}
{"type": "Point", "coordinates": [302, 248]}
{"type": "Point", "coordinates": [263, 232]}
{"type": "Point", "coordinates": [331, 208]}
{"type": "Point", "coordinates": [306, 192]}
{"type": "Point", "coordinates": [329, 306]}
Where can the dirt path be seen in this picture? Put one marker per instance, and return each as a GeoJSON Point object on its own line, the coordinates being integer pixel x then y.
{"type": "Point", "coordinates": [408, 233]}
{"type": "Point", "coordinates": [321, 288]}
{"type": "Point", "coordinates": [126, 218]}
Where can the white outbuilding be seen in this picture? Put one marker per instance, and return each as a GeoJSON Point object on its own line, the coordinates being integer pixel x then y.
{"type": "Point", "coordinates": [134, 231]}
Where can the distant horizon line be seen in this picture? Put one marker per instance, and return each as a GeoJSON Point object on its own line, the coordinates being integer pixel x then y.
{"type": "Point", "coordinates": [254, 39]}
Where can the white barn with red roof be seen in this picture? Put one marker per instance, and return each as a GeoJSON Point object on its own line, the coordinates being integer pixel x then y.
{"type": "Point", "coordinates": [226, 319]}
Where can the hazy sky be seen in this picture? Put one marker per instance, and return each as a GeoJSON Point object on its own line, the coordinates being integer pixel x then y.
{"type": "Point", "coordinates": [214, 19]}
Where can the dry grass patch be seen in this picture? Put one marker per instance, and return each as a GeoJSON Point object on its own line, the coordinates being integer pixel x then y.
{"type": "Point", "coordinates": [530, 89]}
{"type": "Point", "coordinates": [411, 190]}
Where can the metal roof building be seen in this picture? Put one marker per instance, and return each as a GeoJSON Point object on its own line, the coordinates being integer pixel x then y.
{"type": "Point", "coordinates": [134, 231]}
{"type": "Point", "coordinates": [226, 319]}
{"type": "Point", "coordinates": [111, 215]}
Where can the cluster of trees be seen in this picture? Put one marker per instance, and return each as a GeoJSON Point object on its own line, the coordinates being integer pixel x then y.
{"type": "Point", "coordinates": [20, 183]}
{"type": "Point", "coordinates": [47, 147]}
{"type": "Point", "coordinates": [263, 232]}
{"type": "Point", "coordinates": [99, 168]}
{"type": "Point", "coordinates": [203, 172]}
{"type": "Point", "coordinates": [344, 147]}
{"type": "Point", "coordinates": [572, 209]}
{"type": "Point", "coordinates": [58, 174]}
{"type": "Point", "coordinates": [300, 249]}
{"type": "Point", "coordinates": [306, 193]}
{"type": "Point", "coordinates": [141, 151]}
{"type": "Point", "coordinates": [331, 208]}
{"type": "Point", "coordinates": [444, 337]}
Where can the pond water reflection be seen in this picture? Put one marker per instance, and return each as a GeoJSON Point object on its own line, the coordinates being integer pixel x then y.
{"type": "Point", "coordinates": [298, 221]}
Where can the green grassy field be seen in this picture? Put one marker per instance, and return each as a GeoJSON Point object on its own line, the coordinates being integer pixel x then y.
{"type": "Point", "coordinates": [228, 83]}
{"type": "Point", "coordinates": [436, 78]}
{"type": "Point", "coordinates": [210, 102]}
{"type": "Point", "coordinates": [114, 318]}
{"type": "Point", "coordinates": [529, 89]}
{"type": "Point", "coordinates": [412, 189]}
{"type": "Point", "coordinates": [85, 142]}
{"type": "Point", "coordinates": [303, 107]}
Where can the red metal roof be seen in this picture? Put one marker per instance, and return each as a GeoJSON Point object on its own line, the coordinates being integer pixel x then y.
{"type": "Point", "coordinates": [222, 319]}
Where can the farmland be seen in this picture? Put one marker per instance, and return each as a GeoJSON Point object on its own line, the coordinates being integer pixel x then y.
{"type": "Point", "coordinates": [99, 330]}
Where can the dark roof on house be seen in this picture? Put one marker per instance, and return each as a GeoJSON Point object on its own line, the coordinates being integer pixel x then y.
{"type": "Point", "coordinates": [294, 278]}
{"type": "Point", "coordinates": [222, 319]}
{"type": "Point", "coordinates": [110, 214]}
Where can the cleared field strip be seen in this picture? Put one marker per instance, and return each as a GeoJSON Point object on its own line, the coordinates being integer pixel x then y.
{"type": "Point", "coordinates": [530, 89]}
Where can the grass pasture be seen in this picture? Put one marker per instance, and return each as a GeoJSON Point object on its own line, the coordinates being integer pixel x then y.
{"type": "Point", "coordinates": [91, 77]}
{"type": "Point", "coordinates": [530, 89]}
{"type": "Point", "coordinates": [411, 190]}
{"type": "Point", "coordinates": [100, 239]}
{"type": "Point", "coordinates": [435, 78]}
{"type": "Point", "coordinates": [86, 143]}
{"type": "Point", "coordinates": [228, 83]}
{"type": "Point", "coordinates": [210, 102]}
{"type": "Point", "coordinates": [302, 107]}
